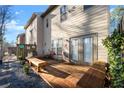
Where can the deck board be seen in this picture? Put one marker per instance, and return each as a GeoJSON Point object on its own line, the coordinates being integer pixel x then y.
{"type": "Point", "coordinates": [64, 75]}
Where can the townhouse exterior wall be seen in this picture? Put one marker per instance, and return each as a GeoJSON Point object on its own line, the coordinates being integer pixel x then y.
{"type": "Point", "coordinates": [34, 34]}
{"type": "Point", "coordinates": [47, 34]}
{"type": "Point", "coordinates": [80, 23]}
{"type": "Point", "coordinates": [71, 37]}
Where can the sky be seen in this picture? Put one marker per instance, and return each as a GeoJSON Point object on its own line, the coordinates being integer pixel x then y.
{"type": "Point", "coordinates": [21, 15]}
{"type": "Point", "coordinates": [112, 7]}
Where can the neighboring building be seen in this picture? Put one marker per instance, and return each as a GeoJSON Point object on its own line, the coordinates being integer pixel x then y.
{"type": "Point", "coordinates": [34, 33]}
{"type": "Point", "coordinates": [21, 38]}
{"type": "Point", "coordinates": [9, 48]}
{"type": "Point", "coordinates": [21, 49]}
{"type": "Point", "coordinates": [73, 32]}
{"type": "Point", "coordinates": [12, 50]}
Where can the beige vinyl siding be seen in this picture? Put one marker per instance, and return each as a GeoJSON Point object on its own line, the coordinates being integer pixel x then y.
{"type": "Point", "coordinates": [39, 36]}
{"type": "Point", "coordinates": [33, 27]}
{"type": "Point", "coordinates": [80, 22]}
{"type": "Point", "coordinates": [37, 32]}
{"type": "Point", "coordinates": [47, 35]}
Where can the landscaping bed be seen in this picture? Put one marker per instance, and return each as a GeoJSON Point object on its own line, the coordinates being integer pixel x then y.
{"type": "Point", "coordinates": [12, 76]}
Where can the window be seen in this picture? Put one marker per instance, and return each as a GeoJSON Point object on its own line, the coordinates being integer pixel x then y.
{"type": "Point", "coordinates": [54, 46]}
{"type": "Point", "coordinates": [47, 24]}
{"type": "Point", "coordinates": [31, 36]}
{"type": "Point", "coordinates": [57, 46]}
{"type": "Point", "coordinates": [87, 7]}
{"type": "Point", "coordinates": [63, 13]}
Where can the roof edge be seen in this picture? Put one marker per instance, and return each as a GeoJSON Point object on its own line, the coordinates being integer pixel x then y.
{"type": "Point", "coordinates": [30, 20]}
{"type": "Point", "coordinates": [50, 8]}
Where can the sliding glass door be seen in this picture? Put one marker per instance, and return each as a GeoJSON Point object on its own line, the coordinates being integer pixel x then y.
{"type": "Point", "coordinates": [74, 50]}
{"type": "Point", "coordinates": [88, 50]}
{"type": "Point", "coordinates": [57, 48]}
{"type": "Point", "coordinates": [82, 50]}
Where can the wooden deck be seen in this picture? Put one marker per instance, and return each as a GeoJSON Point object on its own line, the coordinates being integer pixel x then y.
{"type": "Point", "coordinates": [66, 75]}
{"type": "Point", "coordinates": [62, 75]}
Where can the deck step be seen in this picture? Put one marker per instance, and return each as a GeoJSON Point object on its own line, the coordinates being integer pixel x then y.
{"type": "Point", "coordinates": [56, 81]}
{"type": "Point", "coordinates": [56, 72]}
{"type": "Point", "coordinates": [74, 78]}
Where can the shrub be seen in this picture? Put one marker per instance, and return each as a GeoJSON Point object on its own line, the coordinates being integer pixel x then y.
{"type": "Point", "coordinates": [20, 58]}
{"type": "Point", "coordinates": [26, 68]}
{"type": "Point", "coordinates": [22, 62]}
{"type": "Point", "coordinates": [115, 47]}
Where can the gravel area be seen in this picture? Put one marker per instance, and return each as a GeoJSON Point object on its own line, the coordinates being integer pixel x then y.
{"type": "Point", "coordinates": [13, 76]}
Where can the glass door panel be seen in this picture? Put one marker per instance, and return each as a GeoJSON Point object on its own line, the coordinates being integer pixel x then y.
{"type": "Point", "coordinates": [88, 50]}
{"type": "Point", "coordinates": [74, 49]}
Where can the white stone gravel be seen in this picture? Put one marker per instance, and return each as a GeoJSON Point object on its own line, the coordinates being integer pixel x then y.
{"type": "Point", "coordinates": [13, 76]}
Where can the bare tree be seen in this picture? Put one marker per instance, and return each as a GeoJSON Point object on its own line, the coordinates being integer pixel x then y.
{"type": "Point", "coordinates": [115, 17]}
{"type": "Point", "coordinates": [5, 16]}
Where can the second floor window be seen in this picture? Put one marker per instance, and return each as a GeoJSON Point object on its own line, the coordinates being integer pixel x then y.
{"type": "Point", "coordinates": [47, 24]}
{"type": "Point", "coordinates": [87, 7]}
{"type": "Point", "coordinates": [63, 13]}
{"type": "Point", "coordinates": [31, 36]}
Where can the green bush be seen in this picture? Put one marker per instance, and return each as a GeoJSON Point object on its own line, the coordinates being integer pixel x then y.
{"type": "Point", "coordinates": [115, 47]}
{"type": "Point", "coordinates": [22, 62]}
{"type": "Point", "coordinates": [26, 68]}
{"type": "Point", "coordinates": [20, 58]}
